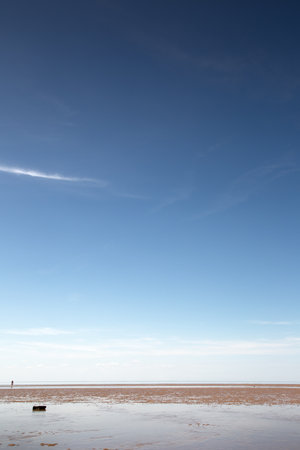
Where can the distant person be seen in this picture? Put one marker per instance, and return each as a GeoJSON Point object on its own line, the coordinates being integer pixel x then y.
{"type": "Point", "coordinates": [12, 384]}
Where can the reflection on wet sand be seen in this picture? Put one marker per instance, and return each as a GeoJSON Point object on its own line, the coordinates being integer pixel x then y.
{"type": "Point", "coordinates": [160, 417]}
{"type": "Point", "coordinates": [150, 426]}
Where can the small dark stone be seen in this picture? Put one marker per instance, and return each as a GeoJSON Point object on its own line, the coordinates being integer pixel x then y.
{"type": "Point", "coordinates": [39, 408]}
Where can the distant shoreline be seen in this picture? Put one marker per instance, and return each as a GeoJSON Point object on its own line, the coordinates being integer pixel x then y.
{"type": "Point", "coordinates": [142, 384]}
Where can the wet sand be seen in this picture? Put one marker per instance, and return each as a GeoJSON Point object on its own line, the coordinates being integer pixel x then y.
{"type": "Point", "coordinates": [158, 394]}
{"type": "Point", "coordinates": [181, 417]}
{"type": "Point", "coordinates": [77, 426]}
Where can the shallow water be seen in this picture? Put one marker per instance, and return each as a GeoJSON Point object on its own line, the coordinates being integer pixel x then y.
{"type": "Point", "coordinates": [150, 426]}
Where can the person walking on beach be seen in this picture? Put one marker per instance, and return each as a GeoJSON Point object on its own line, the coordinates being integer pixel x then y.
{"type": "Point", "coordinates": [12, 384]}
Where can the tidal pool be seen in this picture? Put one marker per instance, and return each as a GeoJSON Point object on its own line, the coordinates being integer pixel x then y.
{"type": "Point", "coordinates": [150, 426]}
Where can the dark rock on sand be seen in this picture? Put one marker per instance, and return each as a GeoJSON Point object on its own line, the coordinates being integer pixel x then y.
{"type": "Point", "coordinates": [39, 408]}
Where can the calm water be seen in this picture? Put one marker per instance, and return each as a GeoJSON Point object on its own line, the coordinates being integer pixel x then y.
{"type": "Point", "coordinates": [150, 426]}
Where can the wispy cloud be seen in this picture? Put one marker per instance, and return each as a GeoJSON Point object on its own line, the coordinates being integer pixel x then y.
{"type": "Point", "coordinates": [249, 184]}
{"type": "Point", "coordinates": [178, 195]}
{"type": "Point", "coordinates": [48, 176]}
{"type": "Point", "coordinates": [270, 322]}
{"type": "Point", "coordinates": [58, 104]}
{"type": "Point", "coordinates": [67, 357]}
{"type": "Point", "coordinates": [110, 190]}
{"type": "Point", "coordinates": [203, 60]}
{"type": "Point", "coordinates": [226, 67]}
{"type": "Point", "coordinates": [118, 348]}
{"type": "Point", "coordinates": [36, 332]}
{"type": "Point", "coordinates": [219, 63]}
{"type": "Point", "coordinates": [128, 195]}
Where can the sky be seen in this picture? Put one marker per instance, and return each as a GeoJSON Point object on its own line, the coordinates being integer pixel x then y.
{"type": "Point", "coordinates": [149, 190]}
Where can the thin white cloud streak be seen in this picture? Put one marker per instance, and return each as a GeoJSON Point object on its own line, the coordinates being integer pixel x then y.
{"type": "Point", "coordinates": [36, 332]}
{"type": "Point", "coordinates": [18, 171]}
{"type": "Point", "coordinates": [47, 176]}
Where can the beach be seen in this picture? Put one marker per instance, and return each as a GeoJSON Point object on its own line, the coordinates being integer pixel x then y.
{"type": "Point", "coordinates": [151, 417]}
{"type": "Point", "coordinates": [231, 394]}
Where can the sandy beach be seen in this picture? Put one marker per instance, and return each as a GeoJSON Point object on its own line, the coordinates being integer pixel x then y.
{"type": "Point", "coordinates": [210, 417]}
{"type": "Point", "coordinates": [251, 394]}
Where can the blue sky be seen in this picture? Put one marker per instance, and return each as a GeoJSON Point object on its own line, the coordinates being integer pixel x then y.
{"type": "Point", "coordinates": [149, 190]}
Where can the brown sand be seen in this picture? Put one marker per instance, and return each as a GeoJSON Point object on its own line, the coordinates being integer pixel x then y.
{"type": "Point", "coordinates": [202, 394]}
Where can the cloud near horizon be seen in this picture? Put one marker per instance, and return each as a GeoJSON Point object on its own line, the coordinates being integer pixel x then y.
{"type": "Point", "coordinates": [48, 176]}
{"type": "Point", "coordinates": [65, 358]}
{"type": "Point", "coordinates": [270, 322]}
{"type": "Point", "coordinates": [120, 348]}
{"type": "Point", "coordinates": [46, 331]}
